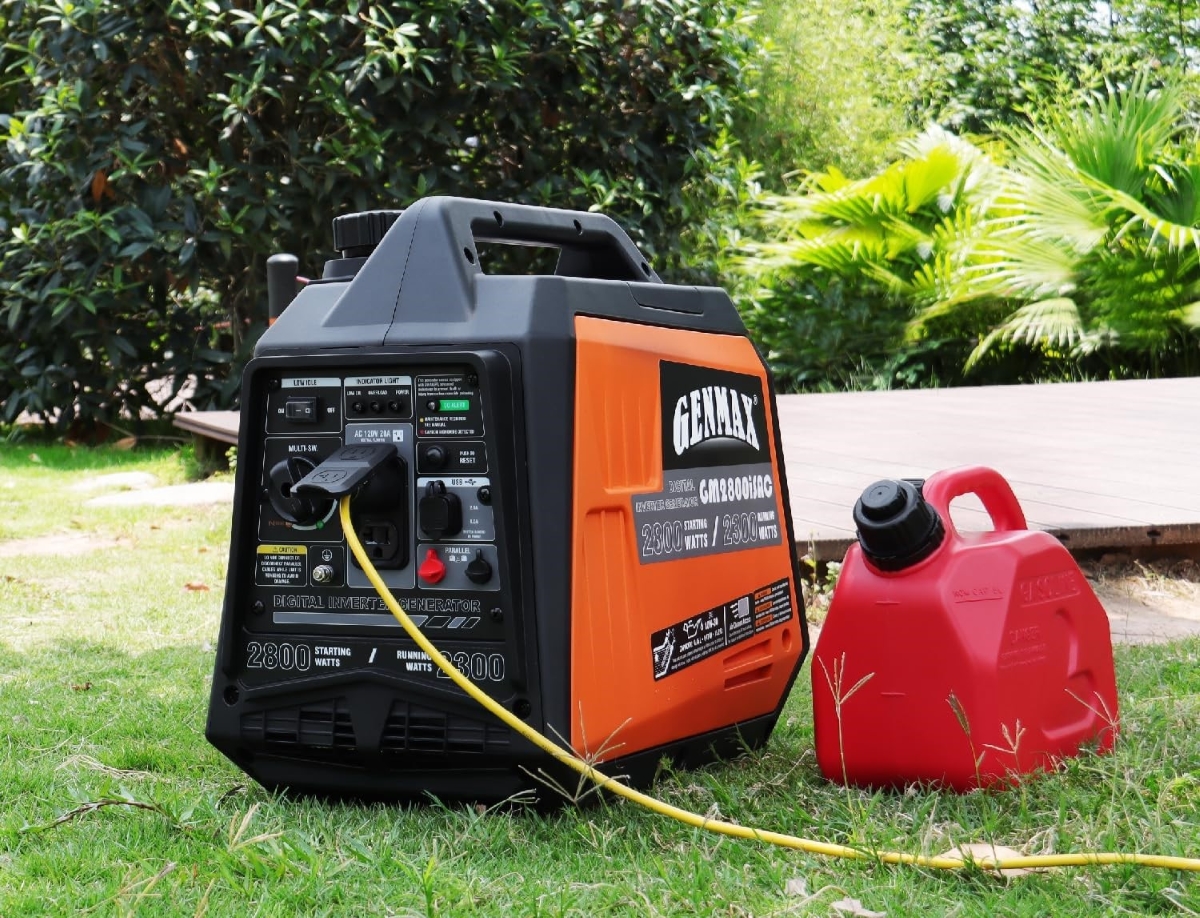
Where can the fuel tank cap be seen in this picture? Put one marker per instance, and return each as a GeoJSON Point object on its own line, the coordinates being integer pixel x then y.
{"type": "Point", "coordinates": [356, 235]}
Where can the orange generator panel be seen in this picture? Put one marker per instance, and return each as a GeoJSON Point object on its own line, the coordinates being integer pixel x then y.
{"type": "Point", "coordinates": [583, 507]}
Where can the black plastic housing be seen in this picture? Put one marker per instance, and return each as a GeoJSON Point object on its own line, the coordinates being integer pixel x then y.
{"type": "Point", "coordinates": [419, 300]}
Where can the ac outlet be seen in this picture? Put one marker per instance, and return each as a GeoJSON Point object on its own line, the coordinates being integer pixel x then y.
{"type": "Point", "coordinates": [386, 543]}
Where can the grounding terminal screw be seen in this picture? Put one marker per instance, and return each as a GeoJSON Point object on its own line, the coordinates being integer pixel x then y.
{"type": "Point", "coordinates": [322, 573]}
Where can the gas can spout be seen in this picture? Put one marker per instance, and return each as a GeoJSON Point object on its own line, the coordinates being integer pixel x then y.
{"type": "Point", "coordinates": [896, 527]}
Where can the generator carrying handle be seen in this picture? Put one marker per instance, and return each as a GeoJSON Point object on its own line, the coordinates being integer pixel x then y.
{"type": "Point", "coordinates": [590, 245]}
{"type": "Point", "coordinates": [423, 276]}
{"type": "Point", "coordinates": [987, 484]}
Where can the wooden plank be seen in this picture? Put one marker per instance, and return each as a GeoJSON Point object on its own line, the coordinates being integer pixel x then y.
{"type": "Point", "coordinates": [1101, 464]}
{"type": "Point", "coordinates": [213, 425]}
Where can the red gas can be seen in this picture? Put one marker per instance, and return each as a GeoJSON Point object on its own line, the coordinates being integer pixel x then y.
{"type": "Point", "coordinates": [959, 658]}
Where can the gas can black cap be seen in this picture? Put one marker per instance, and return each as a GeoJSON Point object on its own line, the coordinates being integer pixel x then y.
{"type": "Point", "coordinates": [896, 527]}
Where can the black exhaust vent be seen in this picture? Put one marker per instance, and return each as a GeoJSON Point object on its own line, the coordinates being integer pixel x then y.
{"type": "Point", "coordinates": [317, 726]}
{"type": "Point", "coordinates": [416, 730]}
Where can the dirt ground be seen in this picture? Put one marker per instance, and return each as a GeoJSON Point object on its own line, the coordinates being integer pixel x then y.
{"type": "Point", "coordinates": [1147, 601]}
{"type": "Point", "coordinates": [1151, 600]}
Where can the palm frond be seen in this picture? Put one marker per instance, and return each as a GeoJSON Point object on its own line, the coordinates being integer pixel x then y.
{"type": "Point", "coordinates": [1190, 315]}
{"type": "Point", "coordinates": [846, 250]}
{"type": "Point", "coordinates": [1053, 322]}
{"type": "Point", "coordinates": [1118, 135]}
{"type": "Point", "coordinates": [1178, 200]}
{"type": "Point", "coordinates": [1021, 265]}
{"type": "Point", "coordinates": [928, 178]}
{"type": "Point", "coordinates": [1178, 237]}
{"type": "Point", "coordinates": [1063, 213]}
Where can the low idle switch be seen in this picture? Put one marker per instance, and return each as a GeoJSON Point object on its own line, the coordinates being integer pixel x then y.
{"type": "Point", "coordinates": [440, 511]}
{"type": "Point", "coordinates": [301, 410]}
{"type": "Point", "coordinates": [479, 571]}
{"type": "Point", "coordinates": [432, 569]}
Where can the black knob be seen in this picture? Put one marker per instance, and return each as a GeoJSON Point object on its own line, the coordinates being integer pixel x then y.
{"type": "Point", "coordinates": [896, 527]}
{"type": "Point", "coordinates": [440, 511]}
{"type": "Point", "coordinates": [479, 571]}
{"type": "Point", "coordinates": [356, 235]}
{"type": "Point", "coordinates": [301, 511]}
{"type": "Point", "coordinates": [435, 457]}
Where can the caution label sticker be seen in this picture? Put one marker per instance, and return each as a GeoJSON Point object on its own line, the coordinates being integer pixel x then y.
{"type": "Point", "coordinates": [282, 565]}
{"type": "Point", "coordinates": [712, 631]}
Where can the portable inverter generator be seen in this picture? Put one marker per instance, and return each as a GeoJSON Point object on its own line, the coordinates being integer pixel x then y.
{"type": "Point", "coordinates": [580, 501]}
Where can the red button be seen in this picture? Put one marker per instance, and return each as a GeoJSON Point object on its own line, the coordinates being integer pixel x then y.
{"type": "Point", "coordinates": [432, 570]}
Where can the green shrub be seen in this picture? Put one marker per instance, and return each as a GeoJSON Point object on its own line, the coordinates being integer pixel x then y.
{"type": "Point", "coordinates": [985, 63]}
{"type": "Point", "coordinates": [832, 86]}
{"type": "Point", "coordinates": [835, 289]}
{"type": "Point", "coordinates": [1096, 238]}
{"type": "Point", "coordinates": [1079, 257]}
{"type": "Point", "coordinates": [154, 154]}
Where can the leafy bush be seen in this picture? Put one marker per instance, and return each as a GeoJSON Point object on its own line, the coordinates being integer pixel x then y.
{"type": "Point", "coordinates": [1097, 235]}
{"type": "Point", "coordinates": [989, 62]}
{"type": "Point", "coordinates": [835, 289]}
{"type": "Point", "coordinates": [154, 154]}
{"type": "Point", "coordinates": [1079, 256]}
{"type": "Point", "coordinates": [832, 87]}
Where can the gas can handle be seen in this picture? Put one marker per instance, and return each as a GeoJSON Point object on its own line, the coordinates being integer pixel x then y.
{"type": "Point", "coordinates": [987, 484]}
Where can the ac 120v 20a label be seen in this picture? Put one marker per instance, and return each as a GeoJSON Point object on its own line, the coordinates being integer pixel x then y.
{"type": "Point", "coordinates": [719, 488]}
{"type": "Point", "coordinates": [699, 637]}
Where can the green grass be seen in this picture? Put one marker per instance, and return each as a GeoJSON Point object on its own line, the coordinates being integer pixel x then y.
{"type": "Point", "coordinates": [105, 661]}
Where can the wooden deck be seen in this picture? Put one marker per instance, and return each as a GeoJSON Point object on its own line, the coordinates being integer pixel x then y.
{"type": "Point", "coordinates": [212, 432]}
{"type": "Point", "coordinates": [221, 426]}
{"type": "Point", "coordinates": [1102, 465]}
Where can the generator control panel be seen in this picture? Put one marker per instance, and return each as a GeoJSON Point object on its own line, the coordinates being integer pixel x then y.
{"type": "Point", "coordinates": [431, 519]}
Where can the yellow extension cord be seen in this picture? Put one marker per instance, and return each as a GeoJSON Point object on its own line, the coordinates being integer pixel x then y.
{"type": "Point", "coordinates": [716, 825]}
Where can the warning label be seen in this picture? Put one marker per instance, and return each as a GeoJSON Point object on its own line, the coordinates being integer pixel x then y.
{"type": "Point", "coordinates": [282, 565]}
{"type": "Point", "coordinates": [710, 632]}
{"type": "Point", "coordinates": [448, 406]}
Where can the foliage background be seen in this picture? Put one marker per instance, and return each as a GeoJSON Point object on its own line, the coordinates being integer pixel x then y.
{"type": "Point", "coordinates": [154, 154]}
{"type": "Point", "coordinates": [855, 309]}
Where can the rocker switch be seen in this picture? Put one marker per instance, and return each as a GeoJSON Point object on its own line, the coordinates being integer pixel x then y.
{"type": "Point", "coordinates": [440, 511]}
{"type": "Point", "coordinates": [301, 410]}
